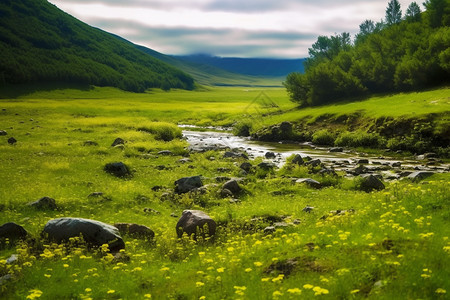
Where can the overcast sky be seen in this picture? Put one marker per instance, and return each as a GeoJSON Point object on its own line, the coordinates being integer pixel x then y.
{"type": "Point", "coordinates": [237, 28]}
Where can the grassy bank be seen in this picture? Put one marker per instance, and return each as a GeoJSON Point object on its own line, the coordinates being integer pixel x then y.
{"type": "Point", "coordinates": [391, 244]}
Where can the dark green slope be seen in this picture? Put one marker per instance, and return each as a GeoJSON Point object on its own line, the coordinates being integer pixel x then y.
{"type": "Point", "coordinates": [40, 43]}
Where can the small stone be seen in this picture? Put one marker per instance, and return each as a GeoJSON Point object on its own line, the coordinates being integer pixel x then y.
{"type": "Point", "coordinates": [2, 132]}
{"type": "Point", "coordinates": [246, 166]}
{"type": "Point", "coordinates": [12, 141]}
{"type": "Point", "coordinates": [44, 203]}
{"type": "Point", "coordinates": [371, 182]}
{"type": "Point", "coordinates": [270, 155]}
{"type": "Point", "coordinates": [267, 166]}
{"type": "Point", "coordinates": [117, 142]}
{"type": "Point", "coordinates": [308, 209]}
{"type": "Point", "coordinates": [310, 182]}
{"type": "Point", "coordinates": [90, 143]}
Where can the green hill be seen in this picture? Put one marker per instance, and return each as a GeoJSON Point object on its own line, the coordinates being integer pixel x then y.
{"type": "Point", "coordinates": [40, 43]}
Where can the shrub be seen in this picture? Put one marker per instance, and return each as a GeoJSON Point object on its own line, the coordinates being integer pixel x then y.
{"type": "Point", "coordinates": [359, 139]}
{"type": "Point", "coordinates": [242, 128]}
{"type": "Point", "coordinates": [162, 130]}
{"type": "Point", "coordinates": [323, 137]}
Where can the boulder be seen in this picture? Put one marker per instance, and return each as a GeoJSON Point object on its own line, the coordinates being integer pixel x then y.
{"type": "Point", "coordinates": [270, 155]}
{"type": "Point", "coordinates": [314, 162]}
{"type": "Point", "coordinates": [225, 193]}
{"type": "Point", "coordinates": [362, 161]}
{"type": "Point", "coordinates": [118, 169]}
{"type": "Point", "coordinates": [232, 186]}
{"type": "Point", "coordinates": [267, 166]}
{"type": "Point", "coordinates": [298, 160]}
{"type": "Point", "coordinates": [187, 184]}
{"type": "Point", "coordinates": [135, 230]}
{"type": "Point", "coordinates": [44, 203]}
{"type": "Point", "coordinates": [192, 222]}
{"type": "Point", "coordinates": [418, 176]}
{"type": "Point", "coordinates": [117, 142]}
{"type": "Point", "coordinates": [371, 182]}
{"type": "Point", "coordinates": [12, 141]}
{"type": "Point", "coordinates": [12, 231]}
{"type": "Point", "coordinates": [246, 166]}
{"type": "Point", "coordinates": [230, 154]}
{"type": "Point", "coordinates": [95, 233]}
{"type": "Point", "coordinates": [311, 182]}
{"type": "Point", "coordinates": [336, 149]}
{"type": "Point", "coordinates": [2, 132]}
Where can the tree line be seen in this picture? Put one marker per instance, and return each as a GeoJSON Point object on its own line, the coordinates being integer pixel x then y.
{"type": "Point", "coordinates": [399, 53]}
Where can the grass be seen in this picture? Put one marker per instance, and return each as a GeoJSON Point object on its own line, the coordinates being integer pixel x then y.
{"type": "Point", "coordinates": [394, 246]}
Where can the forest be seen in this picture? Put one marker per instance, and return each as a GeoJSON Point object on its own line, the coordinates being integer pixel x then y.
{"type": "Point", "coordinates": [400, 53]}
{"type": "Point", "coordinates": [39, 43]}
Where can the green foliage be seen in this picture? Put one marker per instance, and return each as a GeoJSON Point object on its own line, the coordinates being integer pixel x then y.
{"type": "Point", "coordinates": [359, 138]}
{"type": "Point", "coordinates": [161, 130]}
{"type": "Point", "coordinates": [242, 128]}
{"type": "Point", "coordinates": [40, 43]}
{"type": "Point", "coordinates": [411, 55]}
{"type": "Point", "coordinates": [323, 137]}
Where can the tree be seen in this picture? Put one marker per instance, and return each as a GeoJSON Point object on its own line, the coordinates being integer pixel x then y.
{"type": "Point", "coordinates": [365, 28]}
{"type": "Point", "coordinates": [436, 10]}
{"type": "Point", "coordinates": [297, 87]}
{"type": "Point", "coordinates": [393, 13]}
{"type": "Point", "coordinates": [413, 12]}
{"type": "Point", "coordinates": [326, 48]}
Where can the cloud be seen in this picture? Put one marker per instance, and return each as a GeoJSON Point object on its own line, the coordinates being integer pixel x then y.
{"type": "Point", "coordinates": [262, 28]}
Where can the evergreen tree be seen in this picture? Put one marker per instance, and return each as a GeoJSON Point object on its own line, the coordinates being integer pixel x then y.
{"type": "Point", "coordinates": [393, 13]}
{"type": "Point", "coordinates": [413, 12]}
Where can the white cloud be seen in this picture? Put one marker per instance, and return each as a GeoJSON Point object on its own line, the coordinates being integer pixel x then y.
{"type": "Point", "coordinates": [289, 26]}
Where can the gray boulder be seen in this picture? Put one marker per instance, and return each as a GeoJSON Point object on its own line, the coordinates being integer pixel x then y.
{"type": "Point", "coordinates": [230, 154]}
{"type": "Point", "coordinates": [192, 222]}
{"type": "Point", "coordinates": [314, 162]}
{"type": "Point", "coordinates": [135, 230]}
{"type": "Point", "coordinates": [298, 160]}
{"type": "Point", "coordinates": [246, 166]}
{"type": "Point", "coordinates": [310, 182]}
{"type": "Point", "coordinates": [371, 182]}
{"type": "Point", "coordinates": [267, 166]}
{"type": "Point", "coordinates": [117, 142]}
{"type": "Point", "coordinates": [118, 169]}
{"type": "Point", "coordinates": [418, 176]}
{"type": "Point", "coordinates": [269, 155]}
{"type": "Point", "coordinates": [232, 186]}
{"type": "Point", "coordinates": [12, 231]}
{"type": "Point", "coordinates": [95, 233]}
{"type": "Point", "coordinates": [187, 184]}
{"type": "Point", "coordinates": [2, 132]}
{"type": "Point", "coordinates": [44, 203]}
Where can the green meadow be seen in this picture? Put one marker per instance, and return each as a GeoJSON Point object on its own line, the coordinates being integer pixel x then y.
{"type": "Point", "coordinates": [389, 244]}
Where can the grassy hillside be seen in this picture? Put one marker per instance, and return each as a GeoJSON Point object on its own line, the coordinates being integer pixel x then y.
{"type": "Point", "coordinates": [40, 43]}
{"type": "Point", "coordinates": [392, 244]}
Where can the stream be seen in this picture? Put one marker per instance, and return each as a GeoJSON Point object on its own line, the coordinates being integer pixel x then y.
{"type": "Point", "coordinates": [200, 141]}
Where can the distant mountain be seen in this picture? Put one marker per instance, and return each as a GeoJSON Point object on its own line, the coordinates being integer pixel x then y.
{"type": "Point", "coordinates": [41, 43]}
{"type": "Point", "coordinates": [207, 74]}
{"type": "Point", "coordinates": [249, 66]}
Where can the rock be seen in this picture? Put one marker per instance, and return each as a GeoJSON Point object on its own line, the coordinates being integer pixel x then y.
{"type": "Point", "coordinates": [298, 160]}
{"type": "Point", "coordinates": [358, 170]}
{"type": "Point", "coordinates": [418, 176]}
{"type": "Point", "coordinates": [269, 229]}
{"type": "Point", "coordinates": [44, 203]}
{"type": "Point", "coordinates": [225, 193]}
{"type": "Point", "coordinates": [118, 169]}
{"type": "Point", "coordinates": [430, 155]}
{"type": "Point", "coordinates": [95, 233]}
{"type": "Point", "coordinates": [149, 210]}
{"type": "Point", "coordinates": [314, 162]}
{"type": "Point", "coordinates": [267, 166]}
{"type": "Point", "coordinates": [371, 182]}
{"type": "Point", "coordinates": [308, 209]}
{"type": "Point", "coordinates": [230, 154]}
{"type": "Point", "coordinates": [232, 186]}
{"type": "Point", "coordinates": [90, 143]}
{"type": "Point", "coordinates": [161, 167]}
{"type": "Point", "coordinates": [12, 259]}
{"type": "Point", "coordinates": [192, 222]}
{"type": "Point", "coordinates": [222, 178]}
{"type": "Point", "coordinates": [2, 132]}
{"type": "Point", "coordinates": [165, 152]}
{"type": "Point", "coordinates": [405, 173]}
{"type": "Point", "coordinates": [336, 149]}
{"type": "Point", "coordinates": [269, 155]}
{"type": "Point", "coordinates": [135, 230]}
{"type": "Point", "coordinates": [12, 231]}
{"type": "Point", "coordinates": [362, 161]}
{"type": "Point", "coordinates": [95, 194]}
{"type": "Point", "coordinates": [117, 142]}
{"type": "Point", "coordinates": [327, 172]}
{"type": "Point", "coordinates": [396, 164]}
{"type": "Point", "coordinates": [185, 160]}
{"type": "Point", "coordinates": [187, 184]}
{"type": "Point", "coordinates": [246, 166]}
{"type": "Point", "coordinates": [311, 182]}
{"type": "Point", "coordinates": [4, 279]}
{"type": "Point", "coordinates": [12, 141]}
{"type": "Point", "coordinates": [223, 170]}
